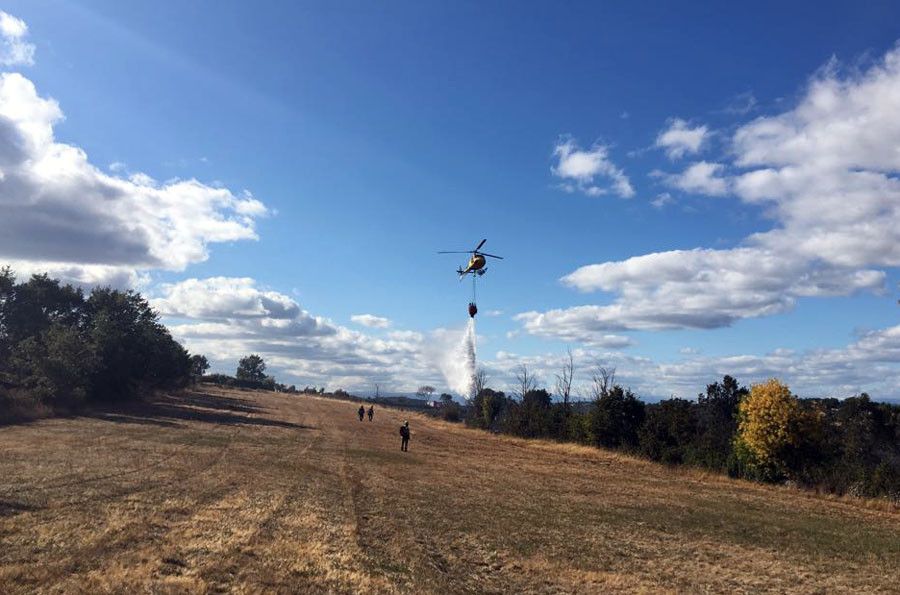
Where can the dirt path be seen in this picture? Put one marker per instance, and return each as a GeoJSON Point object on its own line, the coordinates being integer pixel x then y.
{"type": "Point", "coordinates": [236, 491]}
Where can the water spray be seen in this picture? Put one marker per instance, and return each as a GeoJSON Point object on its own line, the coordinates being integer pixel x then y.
{"type": "Point", "coordinates": [460, 372]}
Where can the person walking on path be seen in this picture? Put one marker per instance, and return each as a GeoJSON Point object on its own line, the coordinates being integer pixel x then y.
{"type": "Point", "coordinates": [404, 436]}
{"type": "Point", "coordinates": [362, 412]}
{"type": "Point", "coordinates": [371, 412]}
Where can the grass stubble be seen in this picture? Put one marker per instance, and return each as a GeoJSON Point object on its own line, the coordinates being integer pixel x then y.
{"type": "Point", "coordinates": [232, 491]}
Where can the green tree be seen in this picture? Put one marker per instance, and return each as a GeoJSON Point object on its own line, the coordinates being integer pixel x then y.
{"type": "Point", "coordinates": [716, 425]}
{"type": "Point", "coordinates": [615, 418]}
{"type": "Point", "coordinates": [199, 365]}
{"type": "Point", "coordinates": [135, 352]}
{"type": "Point", "coordinates": [251, 368]}
{"type": "Point", "coordinates": [534, 414]}
{"type": "Point", "coordinates": [56, 366]}
{"type": "Point", "coordinates": [487, 406]}
{"type": "Point", "coordinates": [668, 431]}
{"type": "Point", "coordinates": [65, 348]}
{"type": "Point", "coordinates": [7, 294]}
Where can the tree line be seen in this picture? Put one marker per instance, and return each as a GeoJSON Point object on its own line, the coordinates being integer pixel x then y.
{"type": "Point", "coordinates": [763, 433]}
{"type": "Point", "coordinates": [61, 348]}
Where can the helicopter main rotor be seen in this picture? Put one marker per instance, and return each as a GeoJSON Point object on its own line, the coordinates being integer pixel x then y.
{"type": "Point", "coordinates": [476, 251]}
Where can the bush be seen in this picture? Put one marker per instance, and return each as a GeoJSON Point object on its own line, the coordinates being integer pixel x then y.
{"type": "Point", "coordinates": [451, 412]}
{"type": "Point", "coordinates": [18, 405]}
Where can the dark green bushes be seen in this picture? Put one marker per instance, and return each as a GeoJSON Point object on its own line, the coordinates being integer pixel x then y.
{"type": "Point", "coordinates": [849, 446]}
{"type": "Point", "coordinates": [63, 349]}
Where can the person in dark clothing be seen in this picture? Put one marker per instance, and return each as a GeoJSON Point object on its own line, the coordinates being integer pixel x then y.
{"type": "Point", "coordinates": [404, 436]}
{"type": "Point", "coordinates": [371, 412]}
{"type": "Point", "coordinates": [362, 412]}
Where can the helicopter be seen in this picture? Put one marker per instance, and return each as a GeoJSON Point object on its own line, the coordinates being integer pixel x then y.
{"type": "Point", "coordinates": [475, 268]}
{"type": "Point", "coordinates": [476, 262]}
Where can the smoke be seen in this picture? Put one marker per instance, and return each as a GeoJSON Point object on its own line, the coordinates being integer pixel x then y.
{"type": "Point", "coordinates": [458, 363]}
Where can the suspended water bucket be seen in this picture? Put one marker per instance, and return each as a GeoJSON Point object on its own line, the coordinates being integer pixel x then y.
{"type": "Point", "coordinates": [473, 309]}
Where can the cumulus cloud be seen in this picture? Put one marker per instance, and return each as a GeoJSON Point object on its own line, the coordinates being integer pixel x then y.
{"type": "Point", "coordinates": [680, 139]}
{"type": "Point", "coordinates": [63, 215]}
{"type": "Point", "coordinates": [702, 177]}
{"type": "Point", "coordinates": [694, 289]}
{"type": "Point", "coordinates": [371, 321]}
{"type": "Point", "coordinates": [581, 324]}
{"type": "Point", "coordinates": [589, 170]}
{"type": "Point", "coordinates": [226, 318]}
{"type": "Point", "coordinates": [14, 50]}
{"type": "Point", "coordinates": [662, 200]}
{"type": "Point", "coordinates": [825, 171]}
{"type": "Point", "coordinates": [871, 363]}
{"type": "Point", "coordinates": [224, 297]}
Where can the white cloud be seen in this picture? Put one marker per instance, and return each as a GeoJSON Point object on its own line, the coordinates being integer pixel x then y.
{"type": "Point", "coordinates": [14, 50]}
{"type": "Point", "coordinates": [63, 215]}
{"type": "Point", "coordinates": [825, 171]}
{"type": "Point", "coordinates": [662, 200]}
{"type": "Point", "coordinates": [582, 324]}
{"type": "Point", "coordinates": [223, 297]}
{"type": "Point", "coordinates": [701, 177]}
{"type": "Point", "coordinates": [742, 104]}
{"type": "Point", "coordinates": [870, 363]}
{"type": "Point", "coordinates": [680, 139]}
{"type": "Point", "coordinates": [695, 289]}
{"type": "Point", "coordinates": [226, 318]}
{"type": "Point", "coordinates": [584, 170]}
{"type": "Point", "coordinates": [371, 320]}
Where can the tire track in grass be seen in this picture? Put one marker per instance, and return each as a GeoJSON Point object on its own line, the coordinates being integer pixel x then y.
{"type": "Point", "coordinates": [189, 473]}
{"type": "Point", "coordinates": [213, 529]}
{"type": "Point", "coordinates": [110, 540]}
{"type": "Point", "coordinates": [118, 537]}
{"type": "Point", "coordinates": [233, 554]}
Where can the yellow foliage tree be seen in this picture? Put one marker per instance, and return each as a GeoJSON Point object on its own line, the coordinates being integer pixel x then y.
{"type": "Point", "coordinates": [768, 425]}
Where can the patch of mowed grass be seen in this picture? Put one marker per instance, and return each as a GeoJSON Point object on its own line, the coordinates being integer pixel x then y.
{"type": "Point", "coordinates": [195, 439]}
{"type": "Point", "coordinates": [806, 533]}
{"type": "Point", "coordinates": [383, 456]}
{"type": "Point", "coordinates": [391, 567]}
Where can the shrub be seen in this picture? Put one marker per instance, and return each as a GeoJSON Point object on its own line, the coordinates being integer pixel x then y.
{"type": "Point", "coordinates": [451, 412]}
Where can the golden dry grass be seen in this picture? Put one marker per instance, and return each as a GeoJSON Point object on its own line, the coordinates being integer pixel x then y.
{"type": "Point", "coordinates": [218, 491]}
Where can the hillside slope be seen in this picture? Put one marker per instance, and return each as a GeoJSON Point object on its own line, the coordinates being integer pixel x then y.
{"type": "Point", "coordinates": [222, 491]}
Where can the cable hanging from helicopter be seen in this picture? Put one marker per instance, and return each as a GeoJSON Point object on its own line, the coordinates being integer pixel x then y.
{"type": "Point", "coordinates": [476, 267]}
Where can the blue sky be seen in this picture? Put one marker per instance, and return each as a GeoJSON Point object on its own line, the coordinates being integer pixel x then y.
{"type": "Point", "coordinates": [370, 137]}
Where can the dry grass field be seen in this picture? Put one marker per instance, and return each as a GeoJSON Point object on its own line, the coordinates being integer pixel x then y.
{"type": "Point", "coordinates": [226, 491]}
